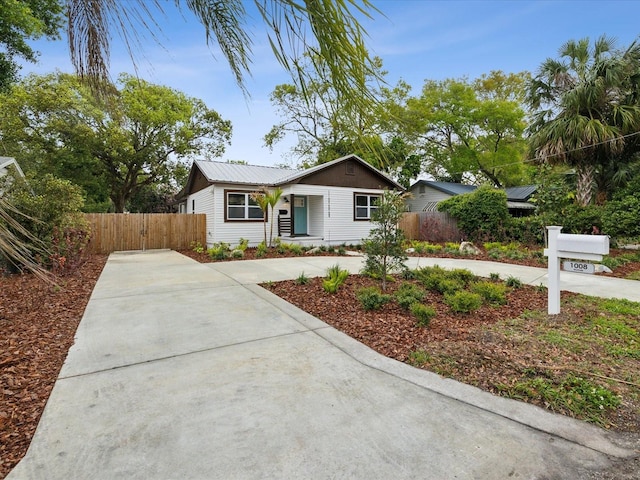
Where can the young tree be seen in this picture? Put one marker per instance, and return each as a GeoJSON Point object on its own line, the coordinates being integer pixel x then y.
{"type": "Point", "coordinates": [272, 199]}
{"type": "Point", "coordinates": [260, 197]}
{"type": "Point", "coordinates": [383, 248]}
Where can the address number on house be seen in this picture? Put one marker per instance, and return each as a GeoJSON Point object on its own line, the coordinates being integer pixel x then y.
{"type": "Point", "coordinates": [578, 267]}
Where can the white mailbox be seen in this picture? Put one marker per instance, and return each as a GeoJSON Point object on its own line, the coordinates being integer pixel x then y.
{"type": "Point", "coordinates": [577, 245]}
{"type": "Point", "coordinates": [564, 245]}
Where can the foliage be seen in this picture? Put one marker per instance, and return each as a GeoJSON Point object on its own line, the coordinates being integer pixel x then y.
{"type": "Point", "coordinates": [243, 243]}
{"type": "Point", "coordinates": [261, 250]}
{"type": "Point", "coordinates": [408, 294]}
{"type": "Point", "coordinates": [495, 293]}
{"type": "Point", "coordinates": [463, 301]}
{"type": "Point", "coordinates": [621, 215]}
{"type": "Point", "coordinates": [575, 394]}
{"type": "Point", "coordinates": [424, 313]}
{"type": "Point", "coordinates": [465, 130]}
{"type": "Point", "coordinates": [302, 279]}
{"type": "Point", "coordinates": [585, 107]}
{"type": "Point", "coordinates": [383, 248]}
{"type": "Point", "coordinates": [513, 282]}
{"type": "Point", "coordinates": [197, 247]}
{"type": "Point", "coordinates": [51, 212]}
{"type": "Point", "coordinates": [21, 21]}
{"type": "Point", "coordinates": [219, 251]}
{"type": "Point", "coordinates": [335, 277]}
{"type": "Point", "coordinates": [371, 298]}
{"type": "Point", "coordinates": [131, 140]}
{"type": "Point", "coordinates": [528, 230]}
{"type": "Point", "coordinates": [481, 214]}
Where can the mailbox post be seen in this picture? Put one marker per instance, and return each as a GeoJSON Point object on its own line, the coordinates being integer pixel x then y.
{"type": "Point", "coordinates": [563, 245]}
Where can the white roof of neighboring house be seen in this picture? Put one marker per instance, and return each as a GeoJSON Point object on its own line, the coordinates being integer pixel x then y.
{"type": "Point", "coordinates": [6, 162]}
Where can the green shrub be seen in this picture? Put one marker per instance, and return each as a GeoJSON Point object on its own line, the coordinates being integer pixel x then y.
{"type": "Point", "coordinates": [423, 313]}
{"type": "Point", "coordinates": [440, 280]}
{"type": "Point", "coordinates": [463, 301]}
{"type": "Point", "coordinates": [494, 277]}
{"type": "Point", "coordinates": [335, 278]}
{"type": "Point", "coordinates": [482, 214]}
{"type": "Point", "coordinates": [237, 253]}
{"type": "Point", "coordinates": [219, 251]}
{"type": "Point", "coordinates": [407, 294]}
{"type": "Point", "coordinates": [261, 251]}
{"type": "Point", "coordinates": [197, 247]}
{"type": "Point", "coordinates": [242, 244]}
{"type": "Point", "coordinates": [371, 298]}
{"type": "Point", "coordinates": [491, 292]}
{"type": "Point", "coordinates": [462, 274]}
{"type": "Point", "coordinates": [513, 282]}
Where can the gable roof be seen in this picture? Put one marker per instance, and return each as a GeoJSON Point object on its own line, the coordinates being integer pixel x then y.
{"type": "Point", "coordinates": [446, 187]}
{"type": "Point", "coordinates": [243, 174]}
{"type": "Point", "coordinates": [520, 194]}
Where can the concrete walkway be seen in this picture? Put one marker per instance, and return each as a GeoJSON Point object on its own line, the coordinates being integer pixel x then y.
{"type": "Point", "coordinates": [192, 371]}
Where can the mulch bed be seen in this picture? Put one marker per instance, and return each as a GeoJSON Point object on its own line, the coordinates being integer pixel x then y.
{"type": "Point", "coordinates": [38, 321]}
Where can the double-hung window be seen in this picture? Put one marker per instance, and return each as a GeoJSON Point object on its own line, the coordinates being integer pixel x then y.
{"type": "Point", "coordinates": [364, 205]}
{"type": "Point", "coordinates": [239, 206]}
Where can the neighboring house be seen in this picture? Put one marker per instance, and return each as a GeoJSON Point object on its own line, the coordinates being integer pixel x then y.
{"type": "Point", "coordinates": [9, 165]}
{"type": "Point", "coordinates": [426, 194]}
{"type": "Point", "coordinates": [329, 204]}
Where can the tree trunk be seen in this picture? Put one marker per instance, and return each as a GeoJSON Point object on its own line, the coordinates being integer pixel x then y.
{"type": "Point", "coordinates": [584, 184]}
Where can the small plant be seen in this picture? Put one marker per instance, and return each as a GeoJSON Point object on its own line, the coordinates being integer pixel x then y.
{"type": "Point", "coordinates": [342, 251]}
{"type": "Point", "coordinates": [219, 251]}
{"type": "Point", "coordinates": [295, 248]}
{"type": "Point", "coordinates": [495, 293]}
{"type": "Point", "coordinates": [302, 279]}
{"type": "Point", "coordinates": [261, 251]}
{"type": "Point", "coordinates": [197, 247]}
{"type": "Point", "coordinates": [419, 357]}
{"type": "Point", "coordinates": [463, 301]}
{"type": "Point", "coordinates": [242, 244]}
{"type": "Point", "coordinates": [408, 294]}
{"type": "Point", "coordinates": [371, 298]}
{"type": "Point", "coordinates": [423, 313]}
{"type": "Point", "coordinates": [335, 278]}
{"type": "Point", "coordinates": [237, 253]}
{"type": "Point", "coordinates": [513, 282]}
{"type": "Point", "coordinates": [494, 277]}
{"type": "Point", "coordinates": [541, 288]}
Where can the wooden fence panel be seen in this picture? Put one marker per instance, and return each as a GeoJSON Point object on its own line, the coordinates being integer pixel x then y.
{"type": "Point", "coordinates": [111, 232]}
{"type": "Point", "coordinates": [430, 227]}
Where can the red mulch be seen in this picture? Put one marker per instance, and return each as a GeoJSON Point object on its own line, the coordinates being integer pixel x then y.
{"type": "Point", "coordinates": [38, 322]}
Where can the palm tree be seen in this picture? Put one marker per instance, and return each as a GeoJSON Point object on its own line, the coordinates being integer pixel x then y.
{"type": "Point", "coordinates": [262, 200]}
{"type": "Point", "coordinates": [293, 27]}
{"type": "Point", "coordinates": [587, 103]}
{"type": "Point", "coordinates": [272, 200]}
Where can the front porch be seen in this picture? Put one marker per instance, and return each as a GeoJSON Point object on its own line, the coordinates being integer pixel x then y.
{"type": "Point", "coordinates": [301, 219]}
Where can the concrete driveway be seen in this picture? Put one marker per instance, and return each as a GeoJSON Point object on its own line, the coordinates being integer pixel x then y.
{"type": "Point", "coordinates": [183, 370]}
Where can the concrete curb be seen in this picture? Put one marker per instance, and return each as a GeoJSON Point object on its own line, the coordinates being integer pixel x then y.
{"type": "Point", "coordinates": [567, 428]}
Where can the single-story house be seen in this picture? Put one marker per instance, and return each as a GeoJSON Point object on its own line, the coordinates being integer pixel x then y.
{"type": "Point", "coordinates": [328, 204]}
{"type": "Point", "coordinates": [426, 194]}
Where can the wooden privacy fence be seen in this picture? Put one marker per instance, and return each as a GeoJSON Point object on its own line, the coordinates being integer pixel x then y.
{"type": "Point", "coordinates": [430, 227]}
{"type": "Point", "coordinates": [112, 232]}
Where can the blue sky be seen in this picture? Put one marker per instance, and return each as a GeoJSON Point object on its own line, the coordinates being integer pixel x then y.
{"type": "Point", "coordinates": [417, 40]}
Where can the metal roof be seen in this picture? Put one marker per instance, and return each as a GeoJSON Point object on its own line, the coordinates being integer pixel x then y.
{"type": "Point", "coordinates": [446, 187]}
{"type": "Point", "coordinates": [221, 172]}
{"type": "Point", "coordinates": [520, 194]}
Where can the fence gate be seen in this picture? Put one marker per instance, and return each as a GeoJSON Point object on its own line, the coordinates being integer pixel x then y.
{"type": "Point", "coordinates": [112, 232]}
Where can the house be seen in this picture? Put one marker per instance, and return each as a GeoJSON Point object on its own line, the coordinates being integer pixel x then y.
{"type": "Point", "coordinates": [328, 204]}
{"type": "Point", "coordinates": [426, 194]}
{"type": "Point", "coordinates": [8, 164]}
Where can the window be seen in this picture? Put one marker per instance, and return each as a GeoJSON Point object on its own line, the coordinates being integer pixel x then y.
{"type": "Point", "coordinates": [239, 206]}
{"type": "Point", "coordinates": [364, 206]}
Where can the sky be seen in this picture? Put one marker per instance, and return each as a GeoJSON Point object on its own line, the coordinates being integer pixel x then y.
{"type": "Point", "coordinates": [416, 39]}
